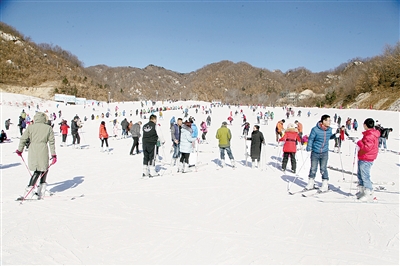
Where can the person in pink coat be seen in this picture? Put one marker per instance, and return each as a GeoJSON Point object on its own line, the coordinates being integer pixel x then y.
{"type": "Point", "coordinates": [203, 128]}
{"type": "Point", "coordinates": [367, 153]}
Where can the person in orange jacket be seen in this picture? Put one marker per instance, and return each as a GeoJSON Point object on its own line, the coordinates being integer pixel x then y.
{"type": "Point", "coordinates": [103, 135]}
{"type": "Point", "coordinates": [279, 129]}
{"type": "Point", "coordinates": [299, 129]}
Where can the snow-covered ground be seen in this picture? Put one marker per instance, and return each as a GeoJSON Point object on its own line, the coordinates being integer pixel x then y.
{"type": "Point", "coordinates": [241, 216]}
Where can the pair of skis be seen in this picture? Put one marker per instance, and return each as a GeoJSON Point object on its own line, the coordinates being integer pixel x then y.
{"type": "Point", "coordinates": [306, 192]}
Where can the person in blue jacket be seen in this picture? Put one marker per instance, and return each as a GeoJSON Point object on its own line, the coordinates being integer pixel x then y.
{"type": "Point", "coordinates": [318, 144]}
{"type": "Point", "coordinates": [195, 131]}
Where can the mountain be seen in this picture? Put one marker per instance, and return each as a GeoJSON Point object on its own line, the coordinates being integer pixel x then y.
{"type": "Point", "coordinates": [43, 70]}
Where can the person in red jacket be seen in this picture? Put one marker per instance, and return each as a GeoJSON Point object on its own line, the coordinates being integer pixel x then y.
{"type": "Point", "coordinates": [103, 135]}
{"type": "Point", "coordinates": [289, 148]}
{"type": "Point", "coordinates": [64, 131]}
{"type": "Point", "coordinates": [368, 151]}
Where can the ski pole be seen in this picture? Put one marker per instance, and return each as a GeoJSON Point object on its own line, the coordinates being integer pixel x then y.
{"type": "Point", "coordinates": [297, 175]}
{"type": "Point", "coordinates": [352, 170]}
{"type": "Point", "coordinates": [341, 163]}
{"type": "Point", "coordinates": [26, 166]}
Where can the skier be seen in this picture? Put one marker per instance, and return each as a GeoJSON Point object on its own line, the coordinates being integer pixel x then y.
{"type": "Point", "coordinates": [186, 146]}
{"type": "Point", "coordinates": [75, 125]}
{"type": "Point", "coordinates": [21, 124]}
{"type": "Point", "coordinates": [368, 151]}
{"type": "Point", "coordinates": [383, 138]}
{"type": "Point", "coordinates": [299, 129]}
{"type": "Point", "coordinates": [224, 137]}
{"type": "Point", "coordinates": [149, 141]}
{"type": "Point", "coordinates": [193, 127]}
{"type": "Point", "coordinates": [124, 126]}
{"type": "Point", "coordinates": [203, 128]}
{"type": "Point", "coordinates": [246, 128]}
{"type": "Point", "coordinates": [339, 137]}
{"type": "Point", "coordinates": [115, 128]}
{"type": "Point", "coordinates": [355, 124]}
{"type": "Point", "coordinates": [172, 122]}
{"type": "Point", "coordinates": [208, 120]}
{"type": "Point", "coordinates": [103, 135]}
{"type": "Point", "coordinates": [339, 121]}
{"type": "Point", "coordinates": [41, 136]}
{"type": "Point", "coordinates": [318, 145]}
{"type": "Point", "coordinates": [64, 131]}
{"type": "Point", "coordinates": [3, 136]}
{"type": "Point", "coordinates": [290, 138]}
{"type": "Point", "coordinates": [279, 130]}
{"type": "Point", "coordinates": [257, 139]}
{"type": "Point", "coordinates": [176, 138]}
{"type": "Point", "coordinates": [135, 132]}
{"type": "Point", "coordinates": [8, 123]}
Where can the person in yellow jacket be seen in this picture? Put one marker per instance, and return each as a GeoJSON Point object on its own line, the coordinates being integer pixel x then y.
{"type": "Point", "coordinates": [224, 137]}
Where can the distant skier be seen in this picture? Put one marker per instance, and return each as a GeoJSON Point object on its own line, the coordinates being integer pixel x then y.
{"type": "Point", "coordinates": [203, 128]}
{"type": "Point", "coordinates": [64, 131]}
{"type": "Point", "coordinates": [257, 139]}
{"type": "Point", "coordinates": [103, 135]}
{"type": "Point", "coordinates": [75, 125]}
{"type": "Point", "coordinates": [135, 132]}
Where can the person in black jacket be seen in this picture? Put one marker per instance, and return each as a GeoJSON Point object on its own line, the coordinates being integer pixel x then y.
{"type": "Point", "coordinates": [3, 136]}
{"type": "Point", "coordinates": [384, 136]}
{"type": "Point", "coordinates": [149, 141]}
{"type": "Point", "coordinates": [75, 125]}
{"type": "Point", "coordinates": [257, 139]}
{"type": "Point", "coordinates": [124, 125]}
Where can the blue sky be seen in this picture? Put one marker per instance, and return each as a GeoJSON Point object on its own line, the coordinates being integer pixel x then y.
{"type": "Point", "coordinates": [184, 36]}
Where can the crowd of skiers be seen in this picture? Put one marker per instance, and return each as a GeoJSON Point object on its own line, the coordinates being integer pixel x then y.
{"type": "Point", "coordinates": [38, 133]}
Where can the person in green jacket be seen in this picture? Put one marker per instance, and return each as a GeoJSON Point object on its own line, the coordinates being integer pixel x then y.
{"type": "Point", "coordinates": [41, 137]}
{"type": "Point", "coordinates": [224, 136]}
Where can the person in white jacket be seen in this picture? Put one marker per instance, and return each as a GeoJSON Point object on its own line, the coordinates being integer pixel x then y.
{"type": "Point", "coordinates": [186, 146]}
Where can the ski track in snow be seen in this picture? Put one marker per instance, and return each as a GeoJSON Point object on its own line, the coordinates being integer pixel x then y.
{"type": "Point", "coordinates": [241, 216]}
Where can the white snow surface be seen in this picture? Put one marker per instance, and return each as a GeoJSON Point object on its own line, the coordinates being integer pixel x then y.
{"type": "Point", "coordinates": [226, 216]}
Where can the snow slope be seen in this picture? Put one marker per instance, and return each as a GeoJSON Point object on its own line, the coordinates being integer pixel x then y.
{"type": "Point", "coordinates": [241, 216]}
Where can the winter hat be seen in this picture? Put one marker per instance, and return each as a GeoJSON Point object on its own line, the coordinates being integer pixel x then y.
{"type": "Point", "coordinates": [224, 123]}
{"type": "Point", "coordinates": [290, 125]}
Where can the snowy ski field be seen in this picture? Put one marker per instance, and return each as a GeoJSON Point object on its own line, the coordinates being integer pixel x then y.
{"type": "Point", "coordinates": [104, 212]}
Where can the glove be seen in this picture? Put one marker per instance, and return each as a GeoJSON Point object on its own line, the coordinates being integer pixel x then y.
{"type": "Point", "coordinates": [19, 153]}
{"type": "Point", "coordinates": [54, 159]}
